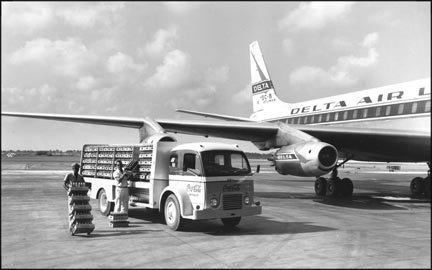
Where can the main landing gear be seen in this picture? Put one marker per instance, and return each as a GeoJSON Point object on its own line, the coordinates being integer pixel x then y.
{"type": "Point", "coordinates": [421, 186]}
{"type": "Point", "coordinates": [334, 186]}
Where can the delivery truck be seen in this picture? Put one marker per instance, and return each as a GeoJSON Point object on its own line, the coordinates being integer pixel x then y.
{"type": "Point", "coordinates": [183, 181]}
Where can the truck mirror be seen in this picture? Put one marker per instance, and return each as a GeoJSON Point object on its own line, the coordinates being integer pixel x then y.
{"type": "Point", "coordinates": [258, 168]}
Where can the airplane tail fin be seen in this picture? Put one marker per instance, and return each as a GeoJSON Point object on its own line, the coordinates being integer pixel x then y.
{"type": "Point", "coordinates": [263, 93]}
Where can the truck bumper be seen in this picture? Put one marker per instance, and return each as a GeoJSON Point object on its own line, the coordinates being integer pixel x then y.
{"type": "Point", "coordinates": [211, 213]}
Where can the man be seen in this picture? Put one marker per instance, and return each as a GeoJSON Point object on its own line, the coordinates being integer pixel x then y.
{"type": "Point", "coordinates": [73, 177]}
{"type": "Point", "coordinates": [70, 178]}
{"type": "Point", "coordinates": [122, 191]}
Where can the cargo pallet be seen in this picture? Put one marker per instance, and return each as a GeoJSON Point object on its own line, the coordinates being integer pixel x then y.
{"type": "Point", "coordinates": [80, 210]}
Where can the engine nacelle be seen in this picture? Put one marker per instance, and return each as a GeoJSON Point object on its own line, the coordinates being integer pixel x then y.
{"type": "Point", "coordinates": [306, 159]}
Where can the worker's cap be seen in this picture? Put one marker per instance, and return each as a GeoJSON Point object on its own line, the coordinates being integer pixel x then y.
{"type": "Point", "coordinates": [75, 165]}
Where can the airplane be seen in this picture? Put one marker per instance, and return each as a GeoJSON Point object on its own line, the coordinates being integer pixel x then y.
{"type": "Point", "coordinates": [383, 124]}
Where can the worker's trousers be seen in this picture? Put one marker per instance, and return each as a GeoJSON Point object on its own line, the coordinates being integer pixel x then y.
{"type": "Point", "coordinates": [121, 200]}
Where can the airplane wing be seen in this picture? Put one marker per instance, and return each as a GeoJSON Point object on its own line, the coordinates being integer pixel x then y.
{"type": "Point", "coordinates": [368, 144]}
{"type": "Point", "coordinates": [217, 116]}
{"type": "Point", "coordinates": [225, 129]}
{"type": "Point", "coordinates": [246, 131]}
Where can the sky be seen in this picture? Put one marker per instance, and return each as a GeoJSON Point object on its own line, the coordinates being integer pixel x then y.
{"type": "Point", "coordinates": [147, 59]}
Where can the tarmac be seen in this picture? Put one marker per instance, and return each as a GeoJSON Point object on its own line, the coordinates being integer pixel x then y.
{"type": "Point", "coordinates": [380, 226]}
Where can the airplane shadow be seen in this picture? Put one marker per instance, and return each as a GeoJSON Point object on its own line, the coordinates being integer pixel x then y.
{"type": "Point", "coordinates": [372, 201]}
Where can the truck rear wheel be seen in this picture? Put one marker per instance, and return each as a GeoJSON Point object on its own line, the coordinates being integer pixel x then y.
{"type": "Point", "coordinates": [231, 222]}
{"type": "Point", "coordinates": [105, 206]}
{"type": "Point", "coordinates": [172, 213]}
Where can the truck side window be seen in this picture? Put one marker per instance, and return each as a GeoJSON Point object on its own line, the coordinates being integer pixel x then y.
{"type": "Point", "coordinates": [173, 165]}
{"type": "Point", "coordinates": [189, 161]}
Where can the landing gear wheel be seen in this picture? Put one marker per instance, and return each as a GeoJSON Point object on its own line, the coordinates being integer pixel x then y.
{"type": "Point", "coordinates": [320, 186]}
{"type": "Point", "coordinates": [105, 206]}
{"type": "Point", "coordinates": [347, 187]}
{"type": "Point", "coordinates": [333, 186]}
{"type": "Point", "coordinates": [417, 186]}
{"type": "Point", "coordinates": [427, 187]}
{"type": "Point", "coordinates": [231, 222]}
{"type": "Point", "coordinates": [172, 213]}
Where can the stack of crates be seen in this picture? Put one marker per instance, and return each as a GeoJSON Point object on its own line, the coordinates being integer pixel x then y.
{"type": "Point", "coordinates": [80, 209]}
{"type": "Point", "coordinates": [98, 160]}
{"type": "Point", "coordinates": [145, 161]}
{"type": "Point", "coordinates": [118, 220]}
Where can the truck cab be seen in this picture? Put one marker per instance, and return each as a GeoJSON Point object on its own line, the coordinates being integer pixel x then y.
{"type": "Point", "coordinates": [212, 180]}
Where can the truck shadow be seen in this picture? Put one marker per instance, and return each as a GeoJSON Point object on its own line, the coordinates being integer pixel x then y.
{"type": "Point", "coordinates": [146, 215]}
{"type": "Point", "coordinates": [257, 225]}
{"type": "Point", "coordinates": [254, 225]}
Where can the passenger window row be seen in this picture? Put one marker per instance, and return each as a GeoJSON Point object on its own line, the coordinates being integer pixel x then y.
{"type": "Point", "coordinates": [379, 111]}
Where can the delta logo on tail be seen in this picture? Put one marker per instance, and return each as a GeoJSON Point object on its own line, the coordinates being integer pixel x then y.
{"type": "Point", "coordinates": [263, 92]}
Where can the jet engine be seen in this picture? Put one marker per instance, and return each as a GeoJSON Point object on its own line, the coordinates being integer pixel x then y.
{"type": "Point", "coordinates": [306, 159]}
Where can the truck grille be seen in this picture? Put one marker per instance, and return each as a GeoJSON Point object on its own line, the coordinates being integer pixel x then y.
{"type": "Point", "coordinates": [232, 201]}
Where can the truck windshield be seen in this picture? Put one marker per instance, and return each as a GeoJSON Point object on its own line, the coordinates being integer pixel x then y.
{"type": "Point", "coordinates": [225, 163]}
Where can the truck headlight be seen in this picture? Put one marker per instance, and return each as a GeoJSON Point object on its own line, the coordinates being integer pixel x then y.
{"type": "Point", "coordinates": [246, 199]}
{"type": "Point", "coordinates": [214, 202]}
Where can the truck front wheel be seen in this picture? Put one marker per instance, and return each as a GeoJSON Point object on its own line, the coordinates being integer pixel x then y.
{"type": "Point", "coordinates": [105, 206]}
{"type": "Point", "coordinates": [172, 213]}
{"type": "Point", "coordinates": [231, 222]}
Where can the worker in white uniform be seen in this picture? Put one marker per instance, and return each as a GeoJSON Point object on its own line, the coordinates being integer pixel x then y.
{"type": "Point", "coordinates": [122, 191]}
{"type": "Point", "coordinates": [70, 178]}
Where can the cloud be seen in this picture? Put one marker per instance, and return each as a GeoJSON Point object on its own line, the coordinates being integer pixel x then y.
{"type": "Point", "coordinates": [38, 99]}
{"type": "Point", "coordinates": [25, 17]}
{"type": "Point", "coordinates": [288, 45]}
{"type": "Point", "coordinates": [121, 62]}
{"type": "Point", "coordinates": [28, 17]}
{"type": "Point", "coordinates": [86, 83]}
{"type": "Point", "coordinates": [314, 15]}
{"type": "Point", "coordinates": [181, 7]}
{"type": "Point", "coordinates": [64, 57]}
{"type": "Point", "coordinates": [203, 88]}
{"type": "Point", "coordinates": [48, 98]}
{"type": "Point", "coordinates": [216, 74]}
{"type": "Point", "coordinates": [86, 15]}
{"type": "Point", "coordinates": [370, 40]}
{"type": "Point", "coordinates": [162, 41]}
{"type": "Point", "coordinates": [193, 89]}
{"type": "Point", "coordinates": [173, 72]}
{"type": "Point", "coordinates": [341, 74]}
{"type": "Point", "coordinates": [244, 96]}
